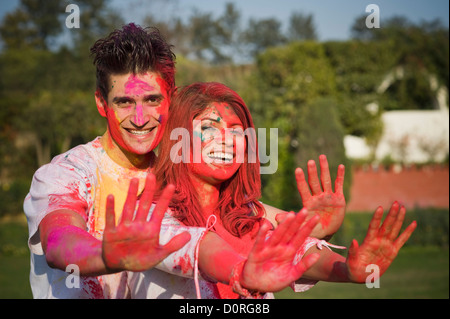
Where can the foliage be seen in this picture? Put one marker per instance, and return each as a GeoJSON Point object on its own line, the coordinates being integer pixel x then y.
{"type": "Point", "coordinates": [289, 90]}
{"type": "Point", "coordinates": [313, 92]}
{"type": "Point", "coordinates": [432, 227]}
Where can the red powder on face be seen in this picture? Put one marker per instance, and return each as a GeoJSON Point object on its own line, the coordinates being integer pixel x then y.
{"type": "Point", "coordinates": [135, 87]}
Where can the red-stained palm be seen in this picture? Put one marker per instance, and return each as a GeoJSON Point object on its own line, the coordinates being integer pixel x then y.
{"type": "Point", "coordinates": [381, 244]}
{"type": "Point", "coordinates": [270, 266]}
{"type": "Point", "coordinates": [133, 244]}
{"type": "Point", "coordinates": [318, 196]}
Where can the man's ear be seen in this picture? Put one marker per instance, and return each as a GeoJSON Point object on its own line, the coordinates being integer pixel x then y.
{"type": "Point", "coordinates": [101, 103]}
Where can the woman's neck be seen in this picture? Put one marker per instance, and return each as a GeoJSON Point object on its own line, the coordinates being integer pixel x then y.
{"type": "Point", "coordinates": [208, 194]}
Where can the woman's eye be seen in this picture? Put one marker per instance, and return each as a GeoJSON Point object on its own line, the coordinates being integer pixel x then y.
{"type": "Point", "coordinates": [238, 132]}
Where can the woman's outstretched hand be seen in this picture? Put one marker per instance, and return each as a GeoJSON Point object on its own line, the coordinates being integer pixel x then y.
{"type": "Point", "coordinates": [318, 196]}
{"type": "Point", "coordinates": [270, 267]}
{"type": "Point", "coordinates": [381, 244]}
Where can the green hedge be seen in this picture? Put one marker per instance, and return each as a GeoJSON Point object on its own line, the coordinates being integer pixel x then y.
{"type": "Point", "coordinates": [12, 197]}
{"type": "Point", "coordinates": [432, 227]}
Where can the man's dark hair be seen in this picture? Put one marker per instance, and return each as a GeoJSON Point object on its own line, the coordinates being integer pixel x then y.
{"type": "Point", "coordinates": [133, 49]}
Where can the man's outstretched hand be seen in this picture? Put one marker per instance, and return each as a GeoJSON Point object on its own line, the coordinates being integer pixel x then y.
{"type": "Point", "coordinates": [133, 244]}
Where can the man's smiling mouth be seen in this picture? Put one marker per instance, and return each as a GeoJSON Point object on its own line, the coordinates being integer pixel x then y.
{"type": "Point", "coordinates": [140, 132]}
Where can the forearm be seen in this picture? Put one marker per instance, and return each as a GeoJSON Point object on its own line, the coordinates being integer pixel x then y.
{"type": "Point", "coordinates": [274, 215]}
{"type": "Point", "coordinates": [66, 242]}
{"type": "Point", "coordinates": [217, 258]}
{"type": "Point", "coordinates": [71, 245]}
{"type": "Point", "coordinates": [330, 267]}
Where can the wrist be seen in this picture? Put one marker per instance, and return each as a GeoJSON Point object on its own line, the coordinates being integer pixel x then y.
{"type": "Point", "coordinates": [236, 280]}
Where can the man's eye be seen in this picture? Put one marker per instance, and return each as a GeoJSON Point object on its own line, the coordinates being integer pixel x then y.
{"type": "Point", "coordinates": [124, 104]}
{"type": "Point", "coordinates": [154, 101]}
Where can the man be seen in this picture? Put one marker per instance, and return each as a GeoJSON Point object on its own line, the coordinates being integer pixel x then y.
{"type": "Point", "coordinates": [72, 199]}
{"type": "Point", "coordinates": [67, 200]}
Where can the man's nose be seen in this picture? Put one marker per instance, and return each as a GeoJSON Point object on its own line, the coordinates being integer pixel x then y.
{"type": "Point", "coordinates": [138, 119]}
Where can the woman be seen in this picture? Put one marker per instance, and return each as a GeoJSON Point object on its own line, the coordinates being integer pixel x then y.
{"type": "Point", "coordinates": [217, 178]}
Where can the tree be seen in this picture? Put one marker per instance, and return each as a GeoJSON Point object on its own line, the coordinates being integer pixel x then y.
{"type": "Point", "coordinates": [263, 34]}
{"type": "Point", "coordinates": [284, 89]}
{"type": "Point", "coordinates": [301, 27]}
{"type": "Point", "coordinates": [33, 24]}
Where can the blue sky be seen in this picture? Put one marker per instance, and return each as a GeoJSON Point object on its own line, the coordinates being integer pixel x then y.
{"type": "Point", "coordinates": [333, 18]}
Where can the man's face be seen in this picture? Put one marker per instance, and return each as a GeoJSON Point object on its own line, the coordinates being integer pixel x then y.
{"type": "Point", "coordinates": [136, 111]}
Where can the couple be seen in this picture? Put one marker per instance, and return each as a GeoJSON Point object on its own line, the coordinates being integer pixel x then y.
{"type": "Point", "coordinates": [70, 208]}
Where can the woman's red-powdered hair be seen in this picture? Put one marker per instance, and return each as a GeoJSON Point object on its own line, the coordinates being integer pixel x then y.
{"type": "Point", "coordinates": [238, 206]}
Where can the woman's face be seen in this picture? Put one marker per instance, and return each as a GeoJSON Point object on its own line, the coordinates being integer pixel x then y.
{"type": "Point", "coordinates": [219, 144]}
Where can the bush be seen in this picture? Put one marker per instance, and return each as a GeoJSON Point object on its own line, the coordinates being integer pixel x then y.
{"type": "Point", "coordinates": [432, 228]}
{"type": "Point", "coordinates": [12, 197]}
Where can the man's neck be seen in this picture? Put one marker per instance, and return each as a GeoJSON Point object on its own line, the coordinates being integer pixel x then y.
{"type": "Point", "coordinates": [124, 158]}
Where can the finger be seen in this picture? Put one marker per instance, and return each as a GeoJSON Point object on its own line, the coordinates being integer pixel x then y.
{"type": "Point", "coordinates": [280, 217]}
{"type": "Point", "coordinates": [305, 231]}
{"type": "Point", "coordinates": [313, 178]}
{"type": "Point", "coordinates": [176, 243]}
{"type": "Point", "coordinates": [339, 183]}
{"type": "Point", "coordinates": [304, 264]}
{"type": "Point", "coordinates": [294, 227]}
{"type": "Point", "coordinates": [161, 206]}
{"type": "Point", "coordinates": [302, 186]}
{"type": "Point", "coordinates": [374, 225]}
{"type": "Point", "coordinates": [398, 224]}
{"type": "Point", "coordinates": [260, 240]}
{"type": "Point", "coordinates": [146, 199]}
{"type": "Point", "coordinates": [386, 228]}
{"type": "Point", "coordinates": [110, 215]}
{"type": "Point", "coordinates": [280, 232]}
{"type": "Point", "coordinates": [353, 249]}
{"type": "Point", "coordinates": [325, 174]}
{"type": "Point", "coordinates": [130, 202]}
{"type": "Point", "coordinates": [403, 238]}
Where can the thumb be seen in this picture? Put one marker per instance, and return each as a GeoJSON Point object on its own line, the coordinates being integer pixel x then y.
{"type": "Point", "coordinates": [280, 217]}
{"type": "Point", "coordinates": [353, 248]}
{"type": "Point", "coordinates": [305, 264]}
{"type": "Point", "coordinates": [177, 243]}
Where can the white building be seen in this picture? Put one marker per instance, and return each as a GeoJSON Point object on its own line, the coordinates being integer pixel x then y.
{"type": "Point", "coordinates": [408, 136]}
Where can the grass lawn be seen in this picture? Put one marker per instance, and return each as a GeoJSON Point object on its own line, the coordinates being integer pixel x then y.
{"type": "Point", "coordinates": [417, 273]}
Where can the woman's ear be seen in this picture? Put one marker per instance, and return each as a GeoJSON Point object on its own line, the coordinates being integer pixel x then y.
{"type": "Point", "coordinates": [101, 103]}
